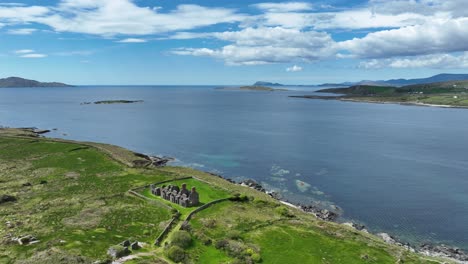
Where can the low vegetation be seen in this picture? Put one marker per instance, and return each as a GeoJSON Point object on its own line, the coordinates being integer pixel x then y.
{"type": "Point", "coordinates": [454, 94]}
{"type": "Point", "coordinates": [69, 202]}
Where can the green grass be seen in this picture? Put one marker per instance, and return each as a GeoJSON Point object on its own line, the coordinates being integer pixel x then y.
{"type": "Point", "coordinates": [288, 240]}
{"type": "Point", "coordinates": [82, 208]}
{"type": "Point", "coordinates": [73, 198]}
{"type": "Point", "coordinates": [207, 193]}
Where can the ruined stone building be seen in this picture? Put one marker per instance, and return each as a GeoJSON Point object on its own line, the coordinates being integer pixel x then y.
{"type": "Point", "coordinates": [181, 196]}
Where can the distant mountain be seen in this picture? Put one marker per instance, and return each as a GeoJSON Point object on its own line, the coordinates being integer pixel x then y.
{"type": "Point", "coordinates": [260, 83]}
{"type": "Point", "coordinates": [444, 77]}
{"type": "Point", "coordinates": [16, 82]}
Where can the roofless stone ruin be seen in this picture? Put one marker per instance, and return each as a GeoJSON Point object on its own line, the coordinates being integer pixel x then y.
{"type": "Point", "coordinates": [181, 196]}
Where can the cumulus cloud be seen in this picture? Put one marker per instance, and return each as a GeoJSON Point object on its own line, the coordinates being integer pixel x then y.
{"type": "Point", "coordinates": [132, 40]}
{"type": "Point", "coordinates": [253, 46]}
{"type": "Point", "coordinates": [123, 17]}
{"type": "Point", "coordinates": [279, 32]}
{"type": "Point", "coordinates": [294, 68]}
{"type": "Point", "coordinates": [430, 38]}
{"type": "Point", "coordinates": [117, 17]}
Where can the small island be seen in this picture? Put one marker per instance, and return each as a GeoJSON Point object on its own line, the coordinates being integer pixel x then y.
{"type": "Point", "coordinates": [252, 88]}
{"type": "Point", "coordinates": [262, 83]}
{"type": "Point", "coordinates": [114, 102]}
{"type": "Point", "coordinates": [440, 94]}
{"type": "Point", "coordinates": [17, 82]}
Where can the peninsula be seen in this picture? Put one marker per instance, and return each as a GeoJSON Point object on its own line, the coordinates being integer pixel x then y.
{"type": "Point", "coordinates": [441, 94]}
{"type": "Point", "coordinates": [65, 201]}
{"type": "Point", "coordinates": [17, 82]}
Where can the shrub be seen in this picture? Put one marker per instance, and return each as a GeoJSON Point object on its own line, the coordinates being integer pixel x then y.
{"type": "Point", "coordinates": [221, 244]}
{"type": "Point", "coordinates": [233, 234]}
{"type": "Point", "coordinates": [176, 254]}
{"type": "Point", "coordinates": [283, 211]}
{"type": "Point", "coordinates": [256, 257]}
{"type": "Point", "coordinates": [182, 239]}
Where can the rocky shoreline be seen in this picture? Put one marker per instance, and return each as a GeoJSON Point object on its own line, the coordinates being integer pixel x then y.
{"type": "Point", "coordinates": [427, 249]}
{"type": "Point", "coordinates": [355, 100]}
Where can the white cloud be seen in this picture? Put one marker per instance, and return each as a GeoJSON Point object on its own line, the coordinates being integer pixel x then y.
{"type": "Point", "coordinates": [22, 14]}
{"type": "Point", "coordinates": [123, 17]}
{"type": "Point", "coordinates": [283, 32]}
{"type": "Point", "coordinates": [132, 40]}
{"type": "Point", "coordinates": [437, 61]}
{"type": "Point", "coordinates": [430, 38]}
{"type": "Point", "coordinates": [294, 68]}
{"type": "Point", "coordinates": [23, 51]}
{"type": "Point", "coordinates": [284, 7]}
{"type": "Point", "coordinates": [33, 55]}
{"type": "Point", "coordinates": [22, 31]}
{"type": "Point", "coordinates": [252, 46]}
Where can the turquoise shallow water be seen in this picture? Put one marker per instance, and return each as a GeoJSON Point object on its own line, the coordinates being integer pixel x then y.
{"type": "Point", "coordinates": [399, 169]}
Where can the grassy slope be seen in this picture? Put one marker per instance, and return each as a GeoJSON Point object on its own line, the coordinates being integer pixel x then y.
{"type": "Point", "coordinates": [83, 209]}
{"type": "Point", "coordinates": [445, 93]}
{"type": "Point", "coordinates": [281, 239]}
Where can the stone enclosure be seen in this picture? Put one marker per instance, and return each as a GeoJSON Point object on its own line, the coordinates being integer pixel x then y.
{"type": "Point", "coordinates": [181, 196]}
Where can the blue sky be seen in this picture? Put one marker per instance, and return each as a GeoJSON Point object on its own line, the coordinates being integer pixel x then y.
{"type": "Point", "coordinates": [231, 42]}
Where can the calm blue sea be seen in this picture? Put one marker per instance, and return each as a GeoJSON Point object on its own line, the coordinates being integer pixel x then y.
{"type": "Point", "coordinates": [398, 169]}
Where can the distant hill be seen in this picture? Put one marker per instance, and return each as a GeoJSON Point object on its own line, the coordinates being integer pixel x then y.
{"type": "Point", "coordinates": [425, 88]}
{"type": "Point", "coordinates": [444, 77]}
{"type": "Point", "coordinates": [17, 82]}
{"type": "Point", "coordinates": [260, 83]}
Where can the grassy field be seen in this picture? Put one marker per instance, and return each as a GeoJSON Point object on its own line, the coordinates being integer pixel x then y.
{"type": "Point", "coordinates": [73, 197]}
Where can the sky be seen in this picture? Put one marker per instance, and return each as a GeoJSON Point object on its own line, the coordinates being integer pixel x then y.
{"type": "Point", "coordinates": [221, 42]}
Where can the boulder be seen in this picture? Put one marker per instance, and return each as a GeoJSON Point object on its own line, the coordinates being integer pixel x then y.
{"type": "Point", "coordinates": [387, 238]}
{"type": "Point", "coordinates": [118, 251]}
{"type": "Point", "coordinates": [7, 198]}
{"type": "Point", "coordinates": [135, 245]}
{"type": "Point", "coordinates": [125, 243]}
{"type": "Point", "coordinates": [28, 239]}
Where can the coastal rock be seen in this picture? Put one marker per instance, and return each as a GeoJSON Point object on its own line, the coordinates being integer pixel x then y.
{"type": "Point", "coordinates": [323, 214]}
{"type": "Point", "coordinates": [275, 195]}
{"type": "Point", "coordinates": [151, 160]}
{"type": "Point", "coordinates": [387, 238]}
{"type": "Point", "coordinates": [444, 251]}
{"type": "Point", "coordinates": [41, 131]}
{"type": "Point", "coordinates": [356, 226]}
{"type": "Point", "coordinates": [252, 184]}
{"type": "Point", "coordinates": [160, 161]}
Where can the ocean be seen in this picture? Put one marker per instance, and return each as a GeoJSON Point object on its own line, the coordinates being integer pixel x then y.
{"type": "Point", "coordinates": [396, 169]}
